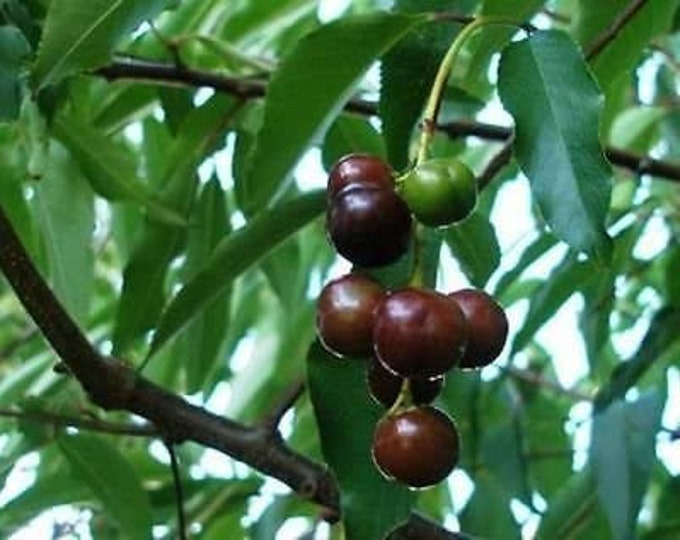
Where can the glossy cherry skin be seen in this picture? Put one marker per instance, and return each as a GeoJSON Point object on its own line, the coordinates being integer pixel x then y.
{"type": "Point", "coordinates": [385, 386]}
{"type": "Point", "coordinates": [419, 333]}
{"type": "Point", "coordinates": [369, 226]}
{"type": "Point", "coordinates": [418, 446]}
{"type": "Point", "coordinates": [344, 319]}
{"type": "Point", "coordinates": [440, 192]}
{"type": "Point", "coordinates": [487, 327]}
{"type": "Point", "coordinates": [359, 169]}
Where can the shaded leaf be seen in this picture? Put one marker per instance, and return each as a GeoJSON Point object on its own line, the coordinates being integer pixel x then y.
{"type": "Point", "coordinates": [474, 244]}
{"type": "Point", "coordinates": [487, 513]}
{"type": "Point", "coordinates": [109, 475]}
{"type": "Point", "coordinates": [346, 416]}
{"type": "Point", "coordinates": [14, 50]}
{"type": "Point", "coordinates": [623, 453]}
{"type": "Point", "coordinates": [234, 255]}
{"type": "Point", "coordinates": [556, 136]}
{"type": "Point", "coordinates": [324, 76]}
{"type": "Point", "coordinates": [80, 34]}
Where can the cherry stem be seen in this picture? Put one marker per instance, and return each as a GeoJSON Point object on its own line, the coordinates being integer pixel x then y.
{"type": "Point", "coordinates": [403, 399]}
{"type": "Point", "coordinates": [434, 101]}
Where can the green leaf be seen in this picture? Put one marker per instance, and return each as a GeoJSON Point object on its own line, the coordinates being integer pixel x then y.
{"type": "Point", "coordinates": [623, 453]}
{"type": "Point", "coordinates": [81, 34]}
{"type": "Point", "coordinates": [415, 59]}
{"type": "Point", "coordinates": [14, 50]}
{"type": "Point", "coordinates": [625, 50]}
{"type": "Point", "coordinates": [564, 281]}
{"type": "Point", "coordinates": [346, 416]}
{"type": "Point", "coordinates": [112, 480]}
{"type": "Point", "coordinates": [530, 255]}
{"type": "Point", "coordinates": [349, 134]}
{"type": "Point", "coordinates": [145, 273]}
{"type": "Point", "coordinates": [487, 513]}
{"type": "Point", "coordinates": [64, 205]}
{"type": "Point", "coordinates": [571, 510]}
{"type": "Point", "coordinates": [482, 45]}
{"type": "Point", "coordinates": [660, 337]}
{"type": "Point", "coordinates": [199, 345]}
{"type": "Point", "coordinates": [109, 167]}
{"type": "Point", "coordinates": [232, 256]}
{"type": "Point", "coordinates": [556, 136]}
{"type": "Point", "coordinates": [474, 244]}
{"type": "Point", "coordinates": [324, 77]}
{"type": "Point", "coordinates": [636, 128]}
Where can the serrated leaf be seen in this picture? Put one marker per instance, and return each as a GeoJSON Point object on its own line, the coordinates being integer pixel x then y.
{"type": "Point", "coordinates": [234, 255]}
{"type": "Point", "coordinates": [556, 136]}
{"type": "Point", "coordinates": [564, 281]}
{"type": "Point", "coordinates": [109, 167]}
{"type": "Point", "coordinates": [64, 205]}
{"type": "Point", "coordinates": [112, 480]}
{"type": "Point", "coordinates": [346, 417]}
{"type": "Point", "coordinates": [474, 244]}
{"type": "Point", "coordinates": [415, 59]}
{"type": "Point", "coordinates": [81, 34]}
{"type": "Point", "coordinates": [623, 453]}
{"type": "Point", "coordinates": [324, 77]}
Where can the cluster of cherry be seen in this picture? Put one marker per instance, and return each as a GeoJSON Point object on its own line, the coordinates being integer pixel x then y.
{"type": "Point", "coordinates": [412, 336]}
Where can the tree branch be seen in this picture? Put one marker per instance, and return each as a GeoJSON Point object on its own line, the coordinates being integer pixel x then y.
{"type": "Point", "coordinates": [113, 385]}
{"type": "Point", "coordinates": [154, 72]}
{"type": "Point", "coordinates": [609, 34]}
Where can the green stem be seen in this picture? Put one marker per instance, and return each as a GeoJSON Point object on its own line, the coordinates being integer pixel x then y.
{"type": "Point", "coordinates": [435, 99]}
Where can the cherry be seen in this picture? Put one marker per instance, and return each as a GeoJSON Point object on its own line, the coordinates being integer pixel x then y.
{"type": "Point", "coordinates": [419, 333]}
{"type": "Point", "coordinates": [368, 225]}
{"type": "Point", "coordinates": [440, 191]}
{"type": "Point", "coordinates": [359, 169]}
{"type": "Point", "coordinates": [344, 317]}
{"type": "Point", "coordinates": [487, 327]}
{"type": "Point", "coordinates": [418, 446]}
{"type": "Point", "coordinates": [385, 386]}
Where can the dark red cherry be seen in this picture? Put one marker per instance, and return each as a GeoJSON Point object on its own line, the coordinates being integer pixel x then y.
{"type": "Point", "coordinates": [369, 226]}
{"type": "Point", "coordinates": [487, 327]}
{"type": "Point", "coordinates": [344, 317]}
{"type": "Point", "coordinates": [419, 333]}
{"type": "Point", "coordinates": [359, 169]}
{"type": "Point", "coordinates": [418, 446]}
{"type": "Point", "coordinates": [385, 386]}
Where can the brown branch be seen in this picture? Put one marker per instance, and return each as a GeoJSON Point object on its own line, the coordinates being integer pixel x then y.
{"type": "Point", "coordinates": [610, 33]}
{"type": "Point", "coordinates": [254, 88]}
{"type": "Point", "coordinates": [90, 424]}
{"type": "Point", "coordinates": [273, 418]}
{"type": "Point", "coordinates": [113, 385]}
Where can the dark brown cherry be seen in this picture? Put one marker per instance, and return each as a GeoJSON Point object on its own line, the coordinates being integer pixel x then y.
{"type": "Point", "coordinates": [369, 226]}
{"type": "Point", "coordinates": [419, 333]}
{"type": "Point", "coordinates": [487, 327]}
{"type": "Point", "coordinates": [418, 446]}
{"type": "Point", "coordinates": [344, 319]}
{"type": "Point", "coordinates": [359, 169]}
{"type": "Point", "coordinates": [385, 386]}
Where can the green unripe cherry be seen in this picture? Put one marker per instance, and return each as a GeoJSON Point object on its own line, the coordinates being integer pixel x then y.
{"type": "Point", "coordinates": [439, 192]}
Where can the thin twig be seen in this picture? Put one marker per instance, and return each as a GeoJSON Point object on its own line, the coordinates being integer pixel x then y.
{"type": "Point", "coordinates": [610, 33]}
{"type": "Point", "coordinates": [179, 495]}
{"type": "Point", "coordinates": [273, 418]}
{"type": "Point", "coordinates": [90, 424]}
{"type": "Point", "coordinates": [496, 164]}
{"type": "Point", "coordinates": [246, 88]}
{"type": "Point", "coordinates": [538, 380]}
